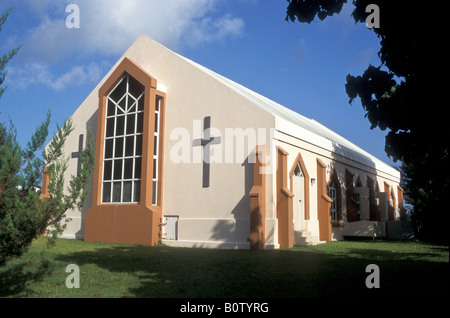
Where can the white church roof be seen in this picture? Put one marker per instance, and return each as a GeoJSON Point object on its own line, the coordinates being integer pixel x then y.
{"type": "Point", "coordinates": [303, 128]}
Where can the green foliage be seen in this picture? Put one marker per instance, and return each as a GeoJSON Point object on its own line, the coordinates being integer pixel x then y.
{"type": "Point", "coordinates": [18, 197]}
{"type": "Point", "coordinates": [6, 57]}
{"type": "Point", "coordinates": [24, 213]}
{"type": "Point", "coordinates": [403, 96]}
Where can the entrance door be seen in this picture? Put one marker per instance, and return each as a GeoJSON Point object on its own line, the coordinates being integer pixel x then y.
{"type": "Point", "coordinates": [298, 184]}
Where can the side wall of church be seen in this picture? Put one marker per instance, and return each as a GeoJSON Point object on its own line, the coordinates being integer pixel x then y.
{"type": "Point", "coordinates": [353, 177]}
{"type": "Point", "coordinates": [84, 119]}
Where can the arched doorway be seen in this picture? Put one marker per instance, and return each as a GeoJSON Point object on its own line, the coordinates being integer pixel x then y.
{"type": "Point", "coordinates": [298, 188]}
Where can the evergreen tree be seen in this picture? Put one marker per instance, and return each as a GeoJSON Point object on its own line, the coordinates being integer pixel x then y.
{"type": "Point", "coordinates": [25, 213]}
{"type": "Point", "coordinates": [4, 60]}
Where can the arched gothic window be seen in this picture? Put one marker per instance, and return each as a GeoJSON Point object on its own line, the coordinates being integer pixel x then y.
{"type": "Point", "coordinates": [123, 142]}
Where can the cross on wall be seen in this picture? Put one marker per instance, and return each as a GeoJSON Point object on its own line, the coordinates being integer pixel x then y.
{"type": "Point", "coordinates": [206, 142]}
{"type": "Point", "coordinates": [79, 153]}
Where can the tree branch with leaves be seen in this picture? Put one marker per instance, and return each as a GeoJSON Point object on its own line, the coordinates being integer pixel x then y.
{"type": "Point", "coordinates": [404, 95]}
{"type": "Point", "coordinates": [24, 213]}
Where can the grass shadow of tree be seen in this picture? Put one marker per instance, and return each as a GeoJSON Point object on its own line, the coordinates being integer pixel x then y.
{"type": "Point", "coordinates": [20, 275]}
{"type": "Point", "coordinates": [187, 273]}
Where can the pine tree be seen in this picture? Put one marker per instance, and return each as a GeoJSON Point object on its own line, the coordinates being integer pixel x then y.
{"type": "Point", "coordinates": [5, 58]}
{"type": "Point", "coordinates": [25, 213]}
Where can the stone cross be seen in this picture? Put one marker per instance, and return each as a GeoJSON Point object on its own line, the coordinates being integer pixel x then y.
{"type": "Point", "coordinates": [206, 142]}
{"type": "Point", "coordinates": [78, 153]}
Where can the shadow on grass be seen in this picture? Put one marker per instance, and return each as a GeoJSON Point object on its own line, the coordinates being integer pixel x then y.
{"type": "Point", "coordinates": [17, 279]}
{"type": "Point", "coordinates": [185, 272]}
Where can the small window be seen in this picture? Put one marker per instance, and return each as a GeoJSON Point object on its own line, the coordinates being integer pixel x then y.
{"type": "Point", "coordinates": [357, 201]}
{"type": "Point", "coordinates": [156, 143]}
{"type": "Point", "coordinates": [332, 195]}
{"type": "Point", "coordinates": [298, 171]}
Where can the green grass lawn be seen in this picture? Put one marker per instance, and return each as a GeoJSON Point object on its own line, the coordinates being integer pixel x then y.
{"type": "Point", "coordinates": [334, 269]}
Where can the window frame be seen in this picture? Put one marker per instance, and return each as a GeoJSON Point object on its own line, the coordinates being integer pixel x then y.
{"type": "Point", "coordinates": [332, 193]}
{"type": "Point", "coordinates": [151, 91]}
{"type": "Point", "coordinates": [112, 181]}
{"type": "Point", "coordinates": [156, 156]}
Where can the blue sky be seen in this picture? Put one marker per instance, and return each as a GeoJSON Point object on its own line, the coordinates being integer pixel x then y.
{"type": "Point", "coordinates": [301, 66]}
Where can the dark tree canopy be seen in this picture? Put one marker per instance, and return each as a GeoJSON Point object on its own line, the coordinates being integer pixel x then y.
{"type": "Point", "coordinates": [306, 11]}
{"type": "Point", "coordinates": [403, 95]}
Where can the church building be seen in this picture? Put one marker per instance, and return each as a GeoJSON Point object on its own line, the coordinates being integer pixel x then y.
{"type": "Point", "coordinates": [187, 157]}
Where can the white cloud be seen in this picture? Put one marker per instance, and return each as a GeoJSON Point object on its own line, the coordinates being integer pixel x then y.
{"type": "Point", "coordinates": [40, 74]}
{"type": "Point", "coordinates": [77, 76]}
{"type": "Point", "coordinates": [109, 27]}
{"type": "Point", "coordinates": [209, 29]}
